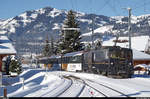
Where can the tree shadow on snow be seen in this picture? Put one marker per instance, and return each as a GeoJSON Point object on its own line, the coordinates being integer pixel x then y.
{"type": "Point", "coordinates": [34, 86]}
{"type": "Point", "coordinates": [138, 93]}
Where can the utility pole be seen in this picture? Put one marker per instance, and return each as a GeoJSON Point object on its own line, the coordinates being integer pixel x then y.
{"type": "Point", "coordinates": [129, 25]}
{"type": "Point", "coordinates": [92, 32]}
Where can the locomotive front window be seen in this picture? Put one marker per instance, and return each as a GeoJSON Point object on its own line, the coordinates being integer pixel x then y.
{"type": "Point", "coordinates": [117, 53]}
{"type": "Point", "coordinates": [100, 55]}
{"type": "Point", "coordinates": [122, 54]}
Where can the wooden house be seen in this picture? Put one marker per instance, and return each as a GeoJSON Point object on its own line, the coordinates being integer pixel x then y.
{"type": "Point", "coordinates": [6, 49]}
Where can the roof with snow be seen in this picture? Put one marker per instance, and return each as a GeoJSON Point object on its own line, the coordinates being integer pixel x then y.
{"type": "Point", "coordinates": [137, 55]}
{"type": "Point", "coordinates": [142, 66]}
{"type": "Point", "coordinates": [74, 53]}
{"type": "Point", "coordinates": [139, 42]}
{"type": "Point", "coordinates": [55, 56]}
{"type": "Point", "coordinates": [6, 46]}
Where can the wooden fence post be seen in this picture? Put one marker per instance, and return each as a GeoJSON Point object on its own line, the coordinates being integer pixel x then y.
{"type": "Point", "coordinates": [5, 92]}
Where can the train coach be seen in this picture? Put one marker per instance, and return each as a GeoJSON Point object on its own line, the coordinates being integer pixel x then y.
{"type": "Point", "coordinates": [111, 61]}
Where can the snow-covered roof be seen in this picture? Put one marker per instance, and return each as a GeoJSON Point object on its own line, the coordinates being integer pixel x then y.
{"type": "Point", "coordinates": [74, 53]}
{"type": "Point", "coordinates": [139, 42]}
{"type": "Point", "coordinates": [6, 46]}
{"type": "Point", "coordinates": [55, 56]}
{"type": "Point", "coordinates": [142, 66]}
{"type": "Point", "coordinates": [137, 55]}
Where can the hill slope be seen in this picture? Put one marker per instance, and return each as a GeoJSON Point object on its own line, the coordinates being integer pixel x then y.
{"type": "Point", "coordinates": [29, 29]}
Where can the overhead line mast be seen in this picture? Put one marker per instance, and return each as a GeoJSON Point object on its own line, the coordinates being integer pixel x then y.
{"type": "Point", "coordinates": [92, 32]}
{"type": "Point", "coordinates": [129, 25]}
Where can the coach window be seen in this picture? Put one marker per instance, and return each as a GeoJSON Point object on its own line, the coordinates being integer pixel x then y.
{"type": "Point", "coordinates": [65, 59]}
{"type": "Point", "coordinates": [74, 59]}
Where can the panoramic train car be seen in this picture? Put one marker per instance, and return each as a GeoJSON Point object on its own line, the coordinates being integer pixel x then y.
{"type": "Point", "coordinates": [72, 61]}
{"type": "Point", "coordinates": [111, 61]}
{"type": "Point", "coordinates": [49, 61]}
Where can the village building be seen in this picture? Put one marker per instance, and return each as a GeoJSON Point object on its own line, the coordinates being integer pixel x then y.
{"type": "Point", "coordinates": [6, 49]}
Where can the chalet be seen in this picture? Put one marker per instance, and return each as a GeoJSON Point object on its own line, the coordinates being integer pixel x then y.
{"type": "Point", "coordinates": [140, 57]}
{"type": "Point", "coordinates": [6, 49]}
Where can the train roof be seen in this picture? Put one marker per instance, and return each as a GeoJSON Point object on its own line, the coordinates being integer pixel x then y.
{"type": "Point", "coordinates": [43, 58]}
{"type": "Point", "coordinates": [78, 53]}
{"type": "Point", "coordinates": [55, 56]}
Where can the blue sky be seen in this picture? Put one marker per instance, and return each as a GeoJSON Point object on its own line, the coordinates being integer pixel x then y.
{"type": "Point", "coordinates": [11, 8]}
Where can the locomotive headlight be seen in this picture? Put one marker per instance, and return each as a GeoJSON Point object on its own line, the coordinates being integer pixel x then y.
{"type": "Point", "coordinates": [111, 63]}
{"type": "Point", "coordinates": [130, 63]}
{"type": "Point", "coordinates": [93, 67]}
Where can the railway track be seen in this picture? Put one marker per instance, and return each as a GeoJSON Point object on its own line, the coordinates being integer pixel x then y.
{"type": "Point", "coordinates": [102, 89]}
{"type": "Point", "coordinates": [59, 95]}
{"type": "Point", "coordinates": [85, 84]}
{"type": "Point", "coordinates": [76, 91]}
{"type": "Point", "coordinates": [110, 89]}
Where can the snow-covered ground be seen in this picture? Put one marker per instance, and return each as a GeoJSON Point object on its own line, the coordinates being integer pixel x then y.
{"type": "Point", "coordinates": [41, 83]}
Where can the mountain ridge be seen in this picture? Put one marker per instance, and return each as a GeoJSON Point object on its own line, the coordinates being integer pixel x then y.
{"type": "Point", "coordinates": [30, 28]}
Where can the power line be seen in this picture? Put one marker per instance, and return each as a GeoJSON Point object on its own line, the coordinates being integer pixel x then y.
{"type": "Point", "coordinates": [71, 1]}
{"type": "Point", "coordinates": [105, 3]}
{"type": "Point", "coordinates": [113, 9]}
{"type": "Point", "coordinates": [142, 5]}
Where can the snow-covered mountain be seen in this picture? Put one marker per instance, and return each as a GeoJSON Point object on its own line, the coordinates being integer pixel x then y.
{"type": "Point", "coordinates": [31, 27]}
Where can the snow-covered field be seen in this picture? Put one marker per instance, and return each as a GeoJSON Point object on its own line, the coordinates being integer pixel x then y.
{"type": "Point", "coordinates": [42, 83]}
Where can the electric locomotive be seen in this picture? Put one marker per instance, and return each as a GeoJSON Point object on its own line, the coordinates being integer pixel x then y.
{"type": "Point", "coordinates": [110, 61]}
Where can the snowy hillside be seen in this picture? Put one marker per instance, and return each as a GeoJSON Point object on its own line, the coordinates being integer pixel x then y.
{"type": "Point", "coordinates": [39, 83]}
{"type": "Point", "coordinates": [31, 27]}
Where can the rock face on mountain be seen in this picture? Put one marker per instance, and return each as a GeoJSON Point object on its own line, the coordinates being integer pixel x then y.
{"type": "Point", "coordinates": [28, 31]}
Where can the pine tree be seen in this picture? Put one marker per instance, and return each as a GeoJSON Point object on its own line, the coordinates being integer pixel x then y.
{"type": "Point", "coordinates": [46, 49]}
{"type": "Point", "coordinates": [15, 66]}
{"type": "Point", "coordinates": [70, 39]}
{"type": "Point", "coordinates": [49, 48]}
{"type": "Point", "coordinates": [52, 48]}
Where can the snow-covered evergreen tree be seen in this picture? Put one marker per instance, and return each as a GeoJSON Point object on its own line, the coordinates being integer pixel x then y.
{"type": "Point", "coordinates": [46, 49]}
{"type": "Point", "coordinates": [70, 39]}
{"type": "Point", "coordinates": [49, 48]}
{"type": "Point", "coordinates": [15, 66]}
{"type": "Point", "coordinates": [52, 47]}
